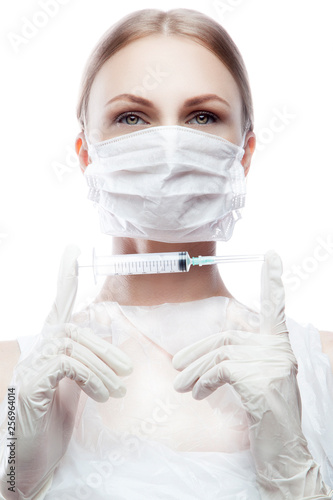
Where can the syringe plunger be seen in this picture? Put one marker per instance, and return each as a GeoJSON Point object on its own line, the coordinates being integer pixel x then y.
{"type": "Point", "coordinates": [156, 263]}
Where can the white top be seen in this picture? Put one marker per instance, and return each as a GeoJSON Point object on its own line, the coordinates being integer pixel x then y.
{"type": "Point", "coordinates": [157, 443]}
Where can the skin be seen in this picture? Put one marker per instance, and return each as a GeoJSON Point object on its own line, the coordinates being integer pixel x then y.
{"type": "Point", "coordinates": [189, 70]}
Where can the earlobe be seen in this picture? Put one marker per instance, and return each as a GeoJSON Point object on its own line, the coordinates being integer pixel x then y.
{"type": "Point", "coordinates": [246, 170]}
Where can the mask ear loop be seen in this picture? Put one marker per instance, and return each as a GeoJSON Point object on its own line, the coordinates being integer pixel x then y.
{"type": "Point", "coordinates": [90, 147]}
{"type": "Point", "coordinates": [85, 128]}
{"type": "Point", "coordinates": [243, 139]}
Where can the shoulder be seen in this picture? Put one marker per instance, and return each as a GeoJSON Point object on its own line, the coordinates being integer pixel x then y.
{"type": "Point", "coordinates": [9, 356]}
{"type": "Point", "coordinates": [327, 345]}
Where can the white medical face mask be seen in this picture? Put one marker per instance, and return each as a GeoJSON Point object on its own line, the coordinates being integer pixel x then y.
{"type": "Point", "coordinates": [170, 183]}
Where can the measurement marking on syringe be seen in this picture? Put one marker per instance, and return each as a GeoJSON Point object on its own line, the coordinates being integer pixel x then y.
{"type": "Point", "coordinates": [159, 263]}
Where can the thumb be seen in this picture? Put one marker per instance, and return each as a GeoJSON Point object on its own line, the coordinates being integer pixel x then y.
{"type": "Point", "coordinates": [272, 304]}
{"type": "Point", "coordinates": [66, 288]}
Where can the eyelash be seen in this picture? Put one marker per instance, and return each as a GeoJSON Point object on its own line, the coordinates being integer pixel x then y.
{"type": "Point", "coordinates": [205, 113]}
{"type": "Point", "coordinates": [198, 113]}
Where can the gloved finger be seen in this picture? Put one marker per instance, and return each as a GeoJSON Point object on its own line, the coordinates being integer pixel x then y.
{"type": "Point", "coordinates": [234, 373]}
{"type": "Point", "coordinates": [216, 377]}
{"type": "Point", "coordinates": [188, 354]}
{"type": "Point", "coordinates": [62, 366]}
{"type": "Point", "coordinates": [66, 287]}
{"type": "Point", "coordinates": [112, 355]}
{"type": "Point", "coordinates": [67, 347]}
{"type": "Point", "coordinates": [185, 380]}
{"type": "Point", "coordinates": [272, 304]}
{"type": "Point", "coordinates": [247, 355]}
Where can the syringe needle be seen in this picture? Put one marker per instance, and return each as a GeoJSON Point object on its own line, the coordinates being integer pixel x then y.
{"type": "Point", "coordinates": [225, 259]}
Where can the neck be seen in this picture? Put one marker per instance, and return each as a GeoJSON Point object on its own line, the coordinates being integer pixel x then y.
{"type": "Point", "coordinates": [152, 289]}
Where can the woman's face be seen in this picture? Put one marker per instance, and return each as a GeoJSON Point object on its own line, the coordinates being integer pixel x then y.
{"type": "Point", "coordinates": [164, 80]}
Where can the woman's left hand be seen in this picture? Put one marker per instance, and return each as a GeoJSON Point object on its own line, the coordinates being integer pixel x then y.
{"type": "Point", "coordinates": [262, 368]}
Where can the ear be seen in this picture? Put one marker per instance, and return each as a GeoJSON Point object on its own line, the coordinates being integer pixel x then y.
{"type": "Point", "coordinates": [249, 146]}
{"type": "Point", "coordinates": [81, 149]}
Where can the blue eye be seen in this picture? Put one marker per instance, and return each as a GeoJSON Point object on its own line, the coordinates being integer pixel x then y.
{"type": "Point", "coordinates": [130, 119]}
{"type": "Point", "coordinates": [203, 117]}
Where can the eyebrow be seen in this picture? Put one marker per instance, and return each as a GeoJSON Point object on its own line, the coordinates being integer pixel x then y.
{"type": "Point", "coordinates": [192, 101]}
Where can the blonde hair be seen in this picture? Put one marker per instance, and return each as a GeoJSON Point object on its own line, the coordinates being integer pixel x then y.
{"type": "Point", "coordinates": [185, 22]}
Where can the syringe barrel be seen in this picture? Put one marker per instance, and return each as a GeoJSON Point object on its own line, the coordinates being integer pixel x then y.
{"type": "Point", "coordinates": [147, 263]}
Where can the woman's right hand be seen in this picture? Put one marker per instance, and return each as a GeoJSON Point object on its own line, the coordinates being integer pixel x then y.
{"type": "Point", "coordinates": [48, 381]}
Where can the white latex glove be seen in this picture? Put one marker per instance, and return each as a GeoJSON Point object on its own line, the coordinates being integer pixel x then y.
{"type": "Point", "coordinates": [48, 382]}
{"type": "Point", "coordinates": [262, 368]}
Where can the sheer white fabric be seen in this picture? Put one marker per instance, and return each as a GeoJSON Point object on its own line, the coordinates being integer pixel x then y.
{"type": "Point", "coordinates": [158, 443]}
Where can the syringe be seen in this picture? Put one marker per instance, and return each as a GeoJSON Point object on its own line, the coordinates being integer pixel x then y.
{"type": "Point", "coordinates": [155, 263]}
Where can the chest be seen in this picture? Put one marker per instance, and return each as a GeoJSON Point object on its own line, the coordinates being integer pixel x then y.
{"type": "Point", "coordinates": [153, 409]}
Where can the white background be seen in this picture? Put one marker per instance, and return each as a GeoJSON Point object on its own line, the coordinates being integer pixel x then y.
{"type": "Point", "coordinates": [287, 47]}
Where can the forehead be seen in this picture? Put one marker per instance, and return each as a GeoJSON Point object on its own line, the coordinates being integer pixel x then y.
{"type": "Point", "coordinates": [163, 66]}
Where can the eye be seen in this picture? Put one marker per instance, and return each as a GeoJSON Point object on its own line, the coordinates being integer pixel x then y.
{"type": "Point", "coordinates": [203, 118]}
{"type": "Point", "coordinates": [129, 119]}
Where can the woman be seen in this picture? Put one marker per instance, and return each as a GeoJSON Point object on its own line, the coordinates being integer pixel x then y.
{"type": "Point", "coordinates": [209, 406]}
